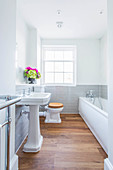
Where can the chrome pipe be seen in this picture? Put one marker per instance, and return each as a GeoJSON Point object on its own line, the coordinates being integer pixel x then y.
{"type": "Point", "coordinates": [5, 123]}
{"type": "Point", "coordinates": [8, 134]}
{"type": "Point", "coordinates": [8, 139]}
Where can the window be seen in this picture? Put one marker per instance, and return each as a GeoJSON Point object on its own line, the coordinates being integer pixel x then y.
{"type": "Point", "coordinates": [59, 65]}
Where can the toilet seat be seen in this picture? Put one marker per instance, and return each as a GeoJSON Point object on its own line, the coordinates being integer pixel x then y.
{"type": "Point", "coordinates": [55, 105]}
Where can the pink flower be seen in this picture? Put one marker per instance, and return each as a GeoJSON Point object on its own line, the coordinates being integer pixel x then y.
{"type": "Point", "coordinates": [36, 70]}
{"type": "Point", "coordinates": [28, 68]}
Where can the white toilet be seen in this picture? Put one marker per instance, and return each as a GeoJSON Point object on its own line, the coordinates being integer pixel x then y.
{"type": "Point", "coordinates": [53, 113]}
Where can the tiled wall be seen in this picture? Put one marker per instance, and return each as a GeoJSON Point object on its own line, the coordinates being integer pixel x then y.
{"type": "Point", "coordinates": [69, 95]}
{"type": "Point", "coordinates": [103, 91]}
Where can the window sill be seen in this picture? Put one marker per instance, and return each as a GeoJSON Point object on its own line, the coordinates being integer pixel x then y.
{"type": "Point", "coordinates": [60, 85]}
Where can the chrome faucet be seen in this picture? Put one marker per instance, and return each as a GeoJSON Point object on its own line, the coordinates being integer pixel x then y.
{"type": "Point", "coordinates": [23, 92]}
{"type": "Point", "coordinates": [29, 91]}
{"type": "Point", "coordinates": [90, 94]}
{"type": "Point", "coordinates": [33, 88]}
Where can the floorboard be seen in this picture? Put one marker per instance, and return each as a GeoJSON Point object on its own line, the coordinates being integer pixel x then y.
{"type": "Point", "coordinates": [66, 146]}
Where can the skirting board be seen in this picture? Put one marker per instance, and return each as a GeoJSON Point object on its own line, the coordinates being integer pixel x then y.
{"type": "Point", "coordinates": [14, 163]}
{"type": "Point", "coordinates": [44, 113]}
{"type": "Point", "coordinates": [107, 165]}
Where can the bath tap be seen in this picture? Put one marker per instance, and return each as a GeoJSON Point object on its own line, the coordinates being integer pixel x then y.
{"type": "Point", "coordinates": [90, 94]}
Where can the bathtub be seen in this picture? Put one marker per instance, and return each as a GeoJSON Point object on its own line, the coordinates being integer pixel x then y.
{"type": "Point", "coordinates": [96, 118]}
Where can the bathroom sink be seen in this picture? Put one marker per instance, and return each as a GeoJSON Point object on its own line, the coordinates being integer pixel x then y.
{"type": "Point", "coordinates": [35, 99]}
{"type": "Point", "coordinates": [35, 139]}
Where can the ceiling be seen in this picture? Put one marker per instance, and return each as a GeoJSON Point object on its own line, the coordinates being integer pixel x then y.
{"type": "Point", "coordinates": [81, 18]}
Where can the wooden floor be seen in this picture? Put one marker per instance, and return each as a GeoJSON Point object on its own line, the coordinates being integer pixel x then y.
{"type": "Point", "coordinates": [66, 146]}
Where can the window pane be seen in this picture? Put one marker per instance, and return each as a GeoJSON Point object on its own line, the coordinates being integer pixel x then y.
{"type": "Point", "coordinates": [58, 66]}
{"type": "Point", "coordinates": [58, 77]}
{"type": "Point", "coordinates": [68, 66]}
{"type": "Point", "coordinates": [49, 55]}
{"type": "Point", "coordinates": [49, 77]}
{"type": "Point", "coordinates": [68, 77]}
{"type": "Point", "coordinates": [58, 55]}
{"type": "Point", "coordinates": [68, 55]}
{"type": "Point", "coordinates": [49, 66]}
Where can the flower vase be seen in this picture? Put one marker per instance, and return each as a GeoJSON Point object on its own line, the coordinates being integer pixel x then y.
{"type": "Point", "coordinates": [31, 81]}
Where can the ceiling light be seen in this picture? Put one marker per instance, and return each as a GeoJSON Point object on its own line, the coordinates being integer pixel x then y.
{"type": "Point", "coordinates": [59, 24]}
{"type": "Point", "coordinates": [59, 12]}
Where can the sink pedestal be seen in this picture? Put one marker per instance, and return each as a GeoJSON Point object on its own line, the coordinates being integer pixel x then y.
{"type": "Point", "coordinates": [34, 141]}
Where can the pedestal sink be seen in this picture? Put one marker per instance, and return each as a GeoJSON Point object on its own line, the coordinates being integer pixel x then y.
{"type": "Point", "coordinates": [35, 139]}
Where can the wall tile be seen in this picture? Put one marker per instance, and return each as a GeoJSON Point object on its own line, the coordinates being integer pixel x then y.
{"type": "Point", "coordinates": [103, 91]}
{"type": "Point", "coordinates": [69, 95]}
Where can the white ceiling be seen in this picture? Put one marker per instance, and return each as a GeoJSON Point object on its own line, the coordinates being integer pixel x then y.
{"type": "Point", "coordinates": [81, 18]}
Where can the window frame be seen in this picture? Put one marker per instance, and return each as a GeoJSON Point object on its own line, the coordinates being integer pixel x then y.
{"type": "Point", "coordinates": [73, 61]}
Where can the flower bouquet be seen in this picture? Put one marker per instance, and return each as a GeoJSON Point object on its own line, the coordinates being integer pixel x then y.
{"type": "Point", "coordinates": [32, 74]}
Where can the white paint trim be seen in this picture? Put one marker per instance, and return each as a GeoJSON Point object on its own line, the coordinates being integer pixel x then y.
{"type": "Point", "coordinates": [88, 84]}
{"type": "Point", "coordinates": [68, 113]}
{"type": "Point", "coordinates": [107, 165]}
{"type": "Point", "coordinates": [14, 163]}
{"type": "Point", "coordinates": [57, 46]}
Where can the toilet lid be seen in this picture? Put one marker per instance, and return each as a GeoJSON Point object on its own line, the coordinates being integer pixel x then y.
{"type": "Point", "coordinates": [55, 105]}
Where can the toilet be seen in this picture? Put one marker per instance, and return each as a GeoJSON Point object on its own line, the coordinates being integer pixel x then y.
{"type": "Point", "coordinates": [53, 113]}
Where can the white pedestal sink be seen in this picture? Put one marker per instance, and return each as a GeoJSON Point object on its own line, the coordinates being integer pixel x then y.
{"type": "Point", "coordinates": [35, 139]}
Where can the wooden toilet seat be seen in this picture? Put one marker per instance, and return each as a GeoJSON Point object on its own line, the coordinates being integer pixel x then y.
{"type": "Point", "coordinates": [55, 105]}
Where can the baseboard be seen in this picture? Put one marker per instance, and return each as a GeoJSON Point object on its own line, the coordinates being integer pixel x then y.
{"type": "Point", "coordinates": [14, 163]}
{"type": "Point", "coordinates": [107, 165]}
{"type": "Point", "coordinates": [69, 113]}
{"type": "Point", "coordinates": [44, 113]}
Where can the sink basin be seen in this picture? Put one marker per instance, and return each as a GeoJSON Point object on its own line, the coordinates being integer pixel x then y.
{"type": "Point", "coordinates": [35, 99]}
{"type": "Point", "coordinates": [35, 139]}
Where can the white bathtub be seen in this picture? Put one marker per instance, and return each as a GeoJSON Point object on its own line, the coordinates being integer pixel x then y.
{"type": "Point", "coordinates": [96, 118]}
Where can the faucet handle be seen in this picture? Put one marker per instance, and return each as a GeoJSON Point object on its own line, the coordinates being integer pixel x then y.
{"type": "Point", "coordinates": [29, 91]}
{"type": "Point", "coordinates": [87, 93]}
{"type": "Point", "coordinates": [23, 92]}
{"type": "Point", "coordinates": [33, 88]}
{"type": "Point", "coordinates": [91, 92]}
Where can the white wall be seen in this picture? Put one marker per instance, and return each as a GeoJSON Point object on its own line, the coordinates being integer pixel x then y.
{"type": "Point", "coordinates": [109, 161]}
{"type": "Point", "coordinates": [32, 48]}
{"type": "Point", "coordinates": [28, 47]}
{"type": "Point", "coordinates": [88, 54]}
{"type": "Point", "coordinates": [103, 61]}
{"type": "Point", "coordinates": [22, 40]}
{"type": "Point", "coordinates": [38, 56]}
{"type": "Point", "coordinates": [7, 46]}
{"type": "Point", "coordinates": [7, 60]}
